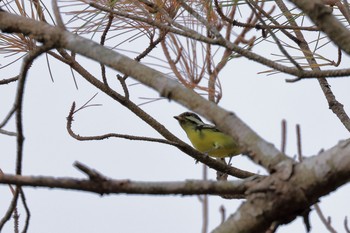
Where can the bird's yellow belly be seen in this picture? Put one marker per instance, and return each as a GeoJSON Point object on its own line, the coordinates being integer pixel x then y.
{"type": "Point", "coordinates": [215, 144]}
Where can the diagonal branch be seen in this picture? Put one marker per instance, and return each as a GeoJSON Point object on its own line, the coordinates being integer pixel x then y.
{"type": "Point", "coordinates": [212, 163]}
{"type": "Point", "coordinates": [252, 144]}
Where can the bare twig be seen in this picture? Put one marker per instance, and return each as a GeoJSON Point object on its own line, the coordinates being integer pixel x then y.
{"type": "Point", "coordinates": [288, 34]}
{"type": "Point", "coordinates": [27, 62]}
{"type": "Point", "coordinates": [8, 117]}
{"type": "Point", "coordinates": [87, 104]}
{"type": "Point", "coordinates": [255, 7]}
{"type": "Point", "coordinates": [124, 86]}
{"type": "Point", "coordinates": [300, 153]}
{"type": "Point", "coordinates": [223, 213]}
{"type": "Point", "coordinates": [11, 208]}
{"type": "Point", "coordinates": [151, 46]}
{"type": "Point", "coordinates": [339, 58]}
{"type": "Point", "coordinates": [8, 133]}
{"type": "Point", "coordinates": [264, 27]}
{"type": "Point", "coordinates": [57, 14]}
{"type": "Point", "coordinates": [26, 208]}
{"type": "Point", "coordinates": [283, 136]}
{"type": "Point", "coordinates": [102, 42]}
{"type": "Point", "coordinates": [15, 211]}
{"type": "Point", "coordinates": [250, 55]}
{"type": "Point", "coordinates": [326, 223]}
{"type": "Point", "coordinates": [109, 135]}
{"type": "Point", "coordinates": [205, 204]}
{"type": "Point", "coordinates": [346, 226]}
{"type": "Point", "coordinates": [93, 174]}
{"type": "Point", "coordinates": [273, 227]}
{"type": "Point", "coordinates": [8, 80]}
{"type": "Point", "coordinates": [162, 26]}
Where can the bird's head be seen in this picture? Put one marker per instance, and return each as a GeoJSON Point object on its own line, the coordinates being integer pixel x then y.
{"type": "Point", "coordinates": [189, 119]}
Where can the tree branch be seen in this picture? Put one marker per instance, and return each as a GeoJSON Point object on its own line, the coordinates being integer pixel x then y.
{"type": "Point", "coordinates": [260, 151]}
{"type": "Point", "coordinates": [333, 103]}
{"type": "Point", "coordinates": [322, 16]}
{"type": "Point", "coordinates": [282, 198]}
{"type": "Point", "coordinates": [112, 186]}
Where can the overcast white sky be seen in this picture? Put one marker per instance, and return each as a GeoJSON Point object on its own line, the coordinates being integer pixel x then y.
{"type": "Point", "coordinates": [261, 101]}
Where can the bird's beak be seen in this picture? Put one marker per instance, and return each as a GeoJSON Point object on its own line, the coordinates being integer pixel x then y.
{"type": "Point", "coordinates": [177, 117]}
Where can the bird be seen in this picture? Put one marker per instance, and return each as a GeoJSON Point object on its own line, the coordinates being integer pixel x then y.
{"type": "Point", "coordinates": [207, 138]}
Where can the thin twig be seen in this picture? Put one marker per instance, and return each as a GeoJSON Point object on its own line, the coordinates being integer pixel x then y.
{"type": "Point", "coordinates": [93, 174]}
{"type": "Point", "coordinates": [15, 211]}
{"type": "Point", "coordinates": [300, 155]}
{"type": "Point", "coordinates": [346, 226]}
{"type": "Point", "coordinates": [255, 7]}
{"type": "Point", "coordinates": [87, 105]}
{"type": "Point", "coordinates": [102, 42]}
{"type": "Point", "coordinates": [151, 46]}
{"type": "Point", "coordinates": [283, 136]}
{"type": "Point", "coordinates": [264, 27]}
{"type": "Point", "coordinates": [57, 14]}
{"type": "Point", "coordinates": [201, 19]}
{"type": "Point", "coordinates": [326, 223]}
{"type": "Point", "coordinates": [26, 208]}
{"type": "Point", "coordinates": [339, 57]}
{"type": "Point", "coordinates": [223, 213]}
{"type": "Point", "coordinates": [109, 135]}
{"type": "Point", "coordinates": [27, 62]}
{"type": "Point", "coordinates": [221, 42]}
{"type": "Point", "coordinates": [8, 80]}
{"type": "Point", "coordinates": [273, 227]}
{"type": "Point", "coordinates": [205, 204]}
{"type": "Point", "coordinates": [8, 116]}
{"type": "Point", "coordinates": [8, 133]}
{"type": "Point", "coordinates": [11, 208]}
{"type": "Point", "coordinates": [306, 213]}
{"type": "Point", "coordinates": [124, 86]}
{"type": "Point", "coordinates": [285, 32]}
{"type": "Point", "coordinates": [188, 32]}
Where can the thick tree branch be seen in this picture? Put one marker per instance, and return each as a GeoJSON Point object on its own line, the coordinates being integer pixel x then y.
{"type": "Point", "coordinates": [282, 198]}
{"type": "Point", "coordinates": [287, 193]}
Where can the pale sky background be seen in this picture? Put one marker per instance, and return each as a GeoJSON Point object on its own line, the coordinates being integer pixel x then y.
{"type": "Point", "coordinates": [261, 101]}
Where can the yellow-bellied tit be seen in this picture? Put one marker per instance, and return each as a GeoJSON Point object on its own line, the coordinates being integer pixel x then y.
{"type": "Point", "coordinates": [207, 138]}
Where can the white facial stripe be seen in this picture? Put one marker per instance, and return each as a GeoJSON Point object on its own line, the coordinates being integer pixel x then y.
{"type": "Point", "coordinates": [195, 120]}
